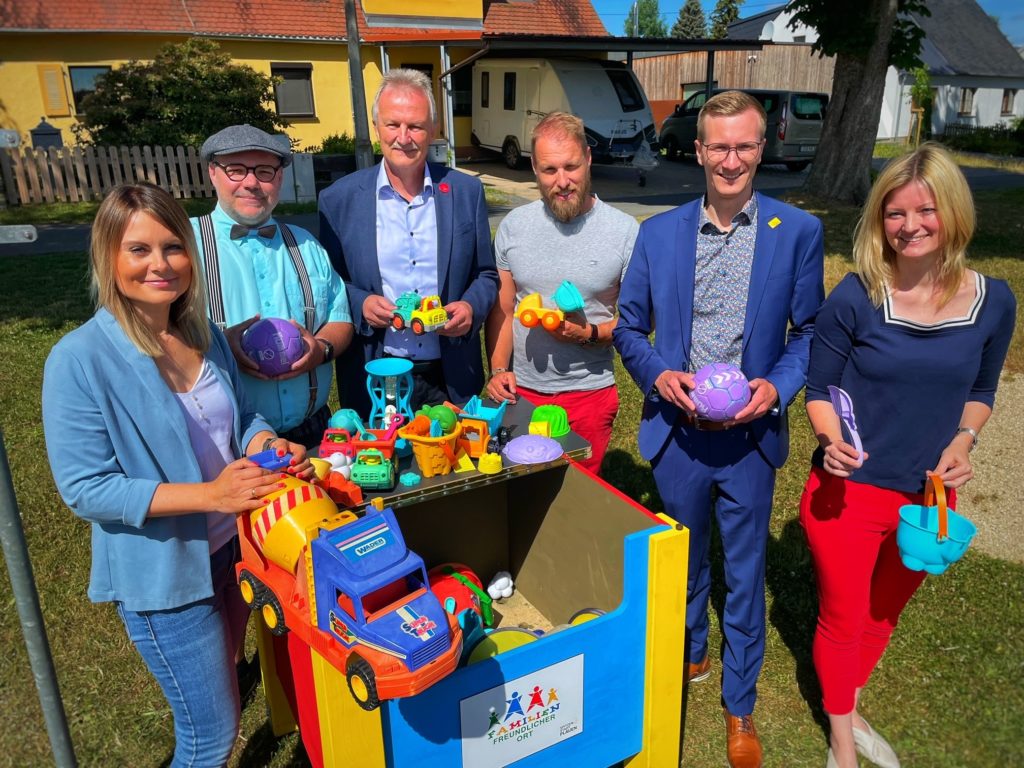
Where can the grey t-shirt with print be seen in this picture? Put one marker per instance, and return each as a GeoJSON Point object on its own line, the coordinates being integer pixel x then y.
{"type": "Point", "coordinates": [592, 251]}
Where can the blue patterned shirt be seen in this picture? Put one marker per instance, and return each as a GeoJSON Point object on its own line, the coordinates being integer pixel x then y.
{"type": "Point", "coordinates": [721, 281]}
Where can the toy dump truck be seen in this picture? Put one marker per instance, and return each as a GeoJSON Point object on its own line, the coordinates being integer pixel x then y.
{"type": "Point", "coordinates": [421, 314]}
{"type": "Point", "coordinates": [350, 589]}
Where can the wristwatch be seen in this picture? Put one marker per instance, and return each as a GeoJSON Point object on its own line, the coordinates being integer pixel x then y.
{"type": "Point", "coordinates": [328, 349]}
{"type": "Point", "coordinates": [974, 436]}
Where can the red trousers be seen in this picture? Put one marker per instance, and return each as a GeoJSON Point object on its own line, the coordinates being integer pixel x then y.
{"type": "Point", "coordinates": [591, 415]}
{"type": "Point", "coordinates": [862, 584]}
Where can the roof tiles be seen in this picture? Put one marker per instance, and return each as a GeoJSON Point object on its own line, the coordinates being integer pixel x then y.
{"type": "Point", "coordinates": [294, 19]}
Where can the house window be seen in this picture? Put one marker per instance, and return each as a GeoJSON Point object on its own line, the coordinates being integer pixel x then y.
{"type": "Point", "coordinates": [485, 89]}
{"type": "Point", "coordinates": [1009, 97]}
{"type": "Point", "coordinates": [510, 90]}
{"type": "Point", "coordinates": [293, 95]}
{"type": "Point", "coordinates": [967, 101]}
{"type": "Point", "coordinates": [462, 92]}
{"type": "Point", "coordinates": [83, 82]}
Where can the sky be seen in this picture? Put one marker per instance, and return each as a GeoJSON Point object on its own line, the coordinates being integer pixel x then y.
{"type": "Point", "coordinates": [614, 12]}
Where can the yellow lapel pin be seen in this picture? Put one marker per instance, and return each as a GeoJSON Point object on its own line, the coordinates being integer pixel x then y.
{"type": "Point", "coordinates": [774, 222]}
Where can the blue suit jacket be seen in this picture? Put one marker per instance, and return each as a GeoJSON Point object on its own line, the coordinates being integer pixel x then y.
{"type": "Point", "coordinates": [114, 432]}
{"type": "Point", "coordinates": [465, 271]}
{"type": "Point", "coordinates": [785, 293]}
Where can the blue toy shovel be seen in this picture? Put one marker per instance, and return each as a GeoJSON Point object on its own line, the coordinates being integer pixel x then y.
{"type": "Point", "coordinates": [843, 406]}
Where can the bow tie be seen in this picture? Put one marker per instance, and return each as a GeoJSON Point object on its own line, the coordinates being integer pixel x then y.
{"type": "Point", "coordinates": [239, 231]}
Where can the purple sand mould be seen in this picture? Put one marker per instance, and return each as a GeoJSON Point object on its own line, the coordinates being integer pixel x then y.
{"type": "Point", "coordinates": [532, 449]}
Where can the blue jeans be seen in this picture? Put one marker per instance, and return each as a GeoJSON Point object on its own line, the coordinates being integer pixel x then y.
{"type": "Point", "coordinates": [190, 651]}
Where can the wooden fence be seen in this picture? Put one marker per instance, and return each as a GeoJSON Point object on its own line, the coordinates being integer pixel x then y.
{"type": "Point", "coordinates": [784, 67]}
{"type": "Point", "coordinates": [73, 174]}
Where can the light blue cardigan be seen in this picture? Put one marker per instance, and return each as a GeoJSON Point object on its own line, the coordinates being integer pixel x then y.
{"type": "Point", "coordinates": [114, 431]}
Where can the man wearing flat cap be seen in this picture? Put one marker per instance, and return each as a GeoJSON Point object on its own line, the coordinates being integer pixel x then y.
{"type": "Point", "coordinates": [256, 267]}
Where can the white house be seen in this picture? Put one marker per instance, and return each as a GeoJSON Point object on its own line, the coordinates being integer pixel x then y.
{"type": "Point", "coordinates": [977, 76]}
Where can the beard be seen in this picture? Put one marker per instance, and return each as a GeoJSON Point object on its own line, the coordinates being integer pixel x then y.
{"type": "Point", "coordinates": [567, 210]}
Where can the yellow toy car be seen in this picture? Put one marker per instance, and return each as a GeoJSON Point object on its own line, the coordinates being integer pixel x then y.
{"type": "Point", "coordinates": [419, 314]}
{"type": "Point", "coordinates": [531, 312]}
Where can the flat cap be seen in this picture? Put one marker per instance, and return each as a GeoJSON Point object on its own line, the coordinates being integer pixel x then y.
{"type": "Point", "coordinates": [244, 138]}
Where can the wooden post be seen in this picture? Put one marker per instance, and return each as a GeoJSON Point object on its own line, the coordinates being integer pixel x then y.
{"type": "Point", "coordinates": [43, 169]}
{"type": "Point", "coordinates": [84, 192]}
{"type": "Point", "coordinates": [182, 163]}
{"type": "Point", "coordinates": [7, 171]}
{"type": "Point", "coordinates": [18, 159]}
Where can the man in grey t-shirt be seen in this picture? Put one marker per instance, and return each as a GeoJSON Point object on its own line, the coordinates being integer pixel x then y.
{"type": "Point", "coordinates": [567, 235]}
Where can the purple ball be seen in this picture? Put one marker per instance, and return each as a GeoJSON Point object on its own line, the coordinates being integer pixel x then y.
{"type": "Point", "coordinates": [273, 344]}
{"type": "Point", "coordinates": [720, 390]}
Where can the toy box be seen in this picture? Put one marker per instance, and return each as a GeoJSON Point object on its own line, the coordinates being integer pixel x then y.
{"type": "Point", "coordinates": [599, 693]}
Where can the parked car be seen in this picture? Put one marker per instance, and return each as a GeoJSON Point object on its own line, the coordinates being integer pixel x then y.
{"type": "Point", "coordinates": [791, 137]}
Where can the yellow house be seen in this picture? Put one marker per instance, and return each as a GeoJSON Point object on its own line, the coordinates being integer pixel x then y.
{"type": "Point", "coordinates": [52, 53]}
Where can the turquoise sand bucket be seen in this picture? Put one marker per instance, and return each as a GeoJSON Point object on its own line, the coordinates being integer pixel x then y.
{"type": "Point", "coordinates": [931, 536]}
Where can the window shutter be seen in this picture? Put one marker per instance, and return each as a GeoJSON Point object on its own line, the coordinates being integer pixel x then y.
{"type": "Point", "coordinates": [55, 97]}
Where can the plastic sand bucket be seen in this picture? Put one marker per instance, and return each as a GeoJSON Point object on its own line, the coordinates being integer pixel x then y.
{"type": "Point", "coordinates": [434, 455]}
{"type": "Point", "coordinates": [931, 536]}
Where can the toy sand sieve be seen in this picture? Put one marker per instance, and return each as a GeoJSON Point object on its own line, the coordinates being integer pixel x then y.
{"type": "Point", "coordinates": [931, 536]}
{"type": "Point", "coordinates": [435, 455]}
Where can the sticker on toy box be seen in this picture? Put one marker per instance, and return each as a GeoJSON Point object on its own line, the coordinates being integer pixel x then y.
{"type": "Point", "coordinates": [523, 716]}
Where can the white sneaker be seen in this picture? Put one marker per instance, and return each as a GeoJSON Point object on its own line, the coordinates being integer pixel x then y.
{"type": "Point", "coordinates": [876, 749]}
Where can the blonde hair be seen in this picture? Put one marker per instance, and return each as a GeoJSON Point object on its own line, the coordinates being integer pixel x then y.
{"type": "Point", "coordinates": [188, 312]}
{"type": "Point", "coordinates": [560, 125]}
{"type": "Point", "coordinates": [932, 165]}
{"type": "Point", "coordinates": [406, 79]}
{"type": "Point", "coordinates": [727, 104]}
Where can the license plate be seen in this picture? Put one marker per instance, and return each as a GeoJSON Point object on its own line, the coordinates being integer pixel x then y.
{"type": "Point", "coordinates": [808, 148]}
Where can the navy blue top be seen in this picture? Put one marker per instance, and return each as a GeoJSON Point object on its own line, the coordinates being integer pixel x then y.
{"type": "Point", "coordinates": [908, 381]}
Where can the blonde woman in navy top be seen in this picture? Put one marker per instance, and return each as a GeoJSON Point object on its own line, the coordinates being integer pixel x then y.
{"type": "Point", "coordinates": [145, 418]}
{"type": "Point", "coordinates": [917, 339]}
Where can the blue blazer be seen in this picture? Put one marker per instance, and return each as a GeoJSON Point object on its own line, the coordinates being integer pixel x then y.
{"type": "Point", "coordinates": [465, 271]}
{"type": "Point", "coordinates": [785, 292]}
{"type": "Point", "coordinates": [114, 432]}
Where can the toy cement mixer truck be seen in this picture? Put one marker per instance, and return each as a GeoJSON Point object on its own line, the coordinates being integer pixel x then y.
{"type": "Point", "coordinates": [350, 589]}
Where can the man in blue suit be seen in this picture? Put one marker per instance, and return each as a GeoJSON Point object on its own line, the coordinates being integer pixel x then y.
{"type": "Point", "coordinates": [733, 277]}
{"type": "Point", "coordinates": [406, 225]}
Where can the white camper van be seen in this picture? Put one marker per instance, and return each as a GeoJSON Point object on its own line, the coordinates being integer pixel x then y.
{"type": "Point", "coordinates": [510, 96]}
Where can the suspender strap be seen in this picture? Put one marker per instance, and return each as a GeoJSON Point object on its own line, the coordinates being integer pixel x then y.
{"type": "Point", "coordinates": [214, 288]}
{"type": "Point", "coordinates": [212, 271]}
{"type": "Point", "coordinates": [307, 299]}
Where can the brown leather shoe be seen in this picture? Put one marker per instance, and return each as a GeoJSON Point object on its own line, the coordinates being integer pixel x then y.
{"type": "Point", "coordinates": [743, 744]}
{"type": "Point", "coordinates": [700, 671]}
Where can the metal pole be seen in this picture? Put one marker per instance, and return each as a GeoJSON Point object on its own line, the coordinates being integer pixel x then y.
{"type": "Point", "coordinates": [27, 599]}
{"type": "Point", "coordinates": [449, 109]}
{"type": "Point", "coordinates": [364, 148]}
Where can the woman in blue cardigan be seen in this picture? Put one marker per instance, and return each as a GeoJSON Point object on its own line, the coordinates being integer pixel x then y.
{"type": "Point", "coordinates": [145, 419]}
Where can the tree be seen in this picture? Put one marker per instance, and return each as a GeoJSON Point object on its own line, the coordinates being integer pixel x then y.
{"type": "Point", "coordinates": [691, 24]}
{"type": "Point", "coordinates": [188, 92]}
{"type": "Point", "coordinates": [865, 36]}
{"type": "Point", "coordinates": [651, 24]}
{"type": "Point", "coordinates": [725, 13]}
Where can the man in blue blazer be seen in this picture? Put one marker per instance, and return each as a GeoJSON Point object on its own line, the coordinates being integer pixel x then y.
{"type": "Point", "coordinates": [403, 226]}
{"type": "Point", "coordinates": [733, 277]}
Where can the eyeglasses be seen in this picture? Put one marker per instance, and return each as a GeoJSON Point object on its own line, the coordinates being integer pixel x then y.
{"type": "Point", "coordinates": [238, 172]}
{"type": "Point", "coordinates": [745, 151]}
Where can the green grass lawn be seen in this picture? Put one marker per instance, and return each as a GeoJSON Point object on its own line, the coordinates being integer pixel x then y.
{"type": "Point", "coordinates": [948, 693]}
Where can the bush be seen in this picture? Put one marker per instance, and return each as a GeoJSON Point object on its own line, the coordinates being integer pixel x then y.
{"type": "Point", "coordinates": [189, 91]}
{"type": "Point", "coordinates": [997, 140]}
{"type": "Point", "coordinates": [341, 144]}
